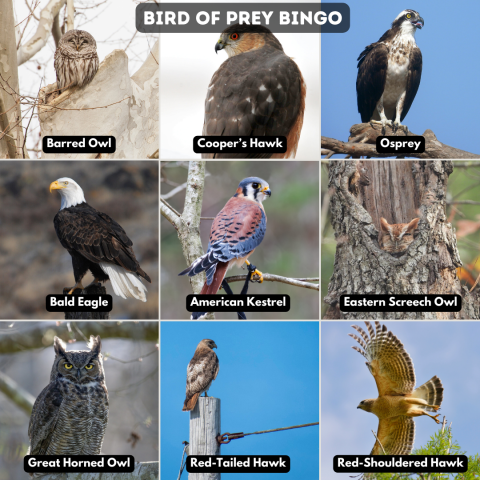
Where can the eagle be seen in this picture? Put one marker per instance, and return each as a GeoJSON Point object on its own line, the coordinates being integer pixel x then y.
{"type": "Point", "coordinates": [201, 372]}
{"type": "Point", "coordinates": [389, 73]}
{"type": "Point", "coordinates": [257, 91]}
{"type": "Point", "coordinates": [97, 243]}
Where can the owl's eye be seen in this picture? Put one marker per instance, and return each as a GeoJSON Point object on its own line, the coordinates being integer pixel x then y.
{"type": "Point", "coordinates": [255, 185]}
{"type": "Point", "coordinates": [68, 366]}
{"type": "Point", "coordinates": [234, 36]}
{"type": "Point", "coordinates": [409, 15]}
{"type": "Point", "coordinates": [89, 366]}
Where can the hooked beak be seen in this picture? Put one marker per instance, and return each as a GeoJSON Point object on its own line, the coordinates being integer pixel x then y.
{"type": "Point", "coordinates": [419, 23]}
{"type": "Point", "coordinates": [267, 191]}
{"type": "Point", "coordinates": [219, 45]}
{"type": "Point", "coordinates": [55, 186]}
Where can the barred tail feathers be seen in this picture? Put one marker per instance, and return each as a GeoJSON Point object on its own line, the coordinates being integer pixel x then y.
{"type": "Point", "coordinates": [431, 391]}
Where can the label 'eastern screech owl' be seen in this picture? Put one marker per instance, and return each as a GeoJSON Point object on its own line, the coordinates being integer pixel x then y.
{"type": "Point", "coordinates": [70, 415]}
{"type": "Point", "coordinates": [396, 237]}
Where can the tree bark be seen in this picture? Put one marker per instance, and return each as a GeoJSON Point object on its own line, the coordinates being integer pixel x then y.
{"type": "Point", "coordinates": [398, 191]}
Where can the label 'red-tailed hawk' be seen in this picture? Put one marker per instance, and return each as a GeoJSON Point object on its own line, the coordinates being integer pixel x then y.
{"type": "Point", "coordinates": [201, 372]}
{"type": "Point", "coordinates": [257, 91]}
{"type": "Point", "coordinates": [389, 73]}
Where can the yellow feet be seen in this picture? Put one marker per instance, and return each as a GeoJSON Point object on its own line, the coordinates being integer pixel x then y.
{"type": "Point", "coordinates": [434, 417]}
{"type": "Point", "coordinates": [77, 286]}
{"type": "Point", "coordinates": [255, 272]}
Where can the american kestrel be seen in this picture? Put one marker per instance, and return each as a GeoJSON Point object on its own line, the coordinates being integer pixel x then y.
{"type": "Point", "coordinates": [236, 231]}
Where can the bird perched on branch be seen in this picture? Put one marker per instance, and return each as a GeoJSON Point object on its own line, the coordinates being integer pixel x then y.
{"type": "Point", "coordinates": [236, 231]}
{"type": "Point", "coordinates": [389, 73]}
{"type": "Point", "coordinates": [257, 91]}
{"type": "Point", "coordinates": [97, 243]}
{"type": "Point", "coordinates": [398, 400]}
{"type": "Point", "coordinates": [201, 372]}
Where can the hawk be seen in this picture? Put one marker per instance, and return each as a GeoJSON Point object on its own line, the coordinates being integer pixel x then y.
{"type": "Point", "coordinates": [237, 230]}
{"type": "Point", "coordinates": [201, 372]}
{"type": "Point", "coordinates": [389, 73]}
{"type": "Point", "coordinates": [257, 91]}
{"type": "Point", "coordinates": [398, 401]}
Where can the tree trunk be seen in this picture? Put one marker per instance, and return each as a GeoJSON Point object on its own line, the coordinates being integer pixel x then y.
{"type": "Point", "coordinates": [399, 191]}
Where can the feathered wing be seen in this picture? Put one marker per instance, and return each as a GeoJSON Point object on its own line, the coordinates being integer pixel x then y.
{"type": "Point", "coordinates": [396, 434]}
{"type": "Point", "coordinates": [201, 371]}
{"type": "Point", "coordinates": [413, 80]}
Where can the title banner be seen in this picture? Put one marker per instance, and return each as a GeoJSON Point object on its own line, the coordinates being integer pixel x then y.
{"type": "Point", "coordinates": [215, 17]}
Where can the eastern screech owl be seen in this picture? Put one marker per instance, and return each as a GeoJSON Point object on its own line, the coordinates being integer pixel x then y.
{"type": "Point", "coordinates": [70, 416]}
{"type": "Point", "coordinates": [76, 59]}
{"type": "Point", "coordinates": [396, 237]}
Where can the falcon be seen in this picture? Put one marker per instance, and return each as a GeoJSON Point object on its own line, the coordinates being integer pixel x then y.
{"type": "Point", "coordinates": [201, 372]}
{"type": "Point", "coordinates": [389, 73]}
{"type": "Point", "coordinates": [398, 400]}
{"type": "Point", "coordinates": [257, 91]}
{"type": "Point", "coordinates": [237, 230]}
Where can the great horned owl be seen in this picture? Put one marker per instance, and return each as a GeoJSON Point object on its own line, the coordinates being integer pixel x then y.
{"type": "Point", "coordinates": [70, 416]}
{"type": "Point", "coordinates": [76, 59]}
{"type": "Point", "coordinates": [396, 237]}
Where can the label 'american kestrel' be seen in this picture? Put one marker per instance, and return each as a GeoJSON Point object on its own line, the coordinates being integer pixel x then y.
{"type": "Point", "coordinates": [236, 231]}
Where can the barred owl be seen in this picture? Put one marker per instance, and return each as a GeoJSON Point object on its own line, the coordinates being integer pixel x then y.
{"type": "Point", "coordinates": [76, 59]}
{"type": "Point", "coordinates": [70, 415]}
{"type": "Point", "coordinates": [396, 237]}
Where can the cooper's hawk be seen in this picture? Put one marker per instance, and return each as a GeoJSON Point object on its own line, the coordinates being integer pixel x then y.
{"type": "Point", "coordinates": [257, 91]}
{"type": "Point", "coordinates": [398, 400]}
{"type": "Point", "coordinates": [236, 231]}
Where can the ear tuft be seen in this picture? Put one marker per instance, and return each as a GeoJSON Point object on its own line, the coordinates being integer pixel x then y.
{"type": "Point", "coordinates": [385, 226]}
{"type": "Point", "coordinates": [95, 344]}
{"type": "Point", "coordinates": [413, 225]}
{"type": "Point", "coordinates": [59, 346]}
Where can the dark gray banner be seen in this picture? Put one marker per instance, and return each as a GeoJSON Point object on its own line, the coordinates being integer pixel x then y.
{"type": "Point", "coordinates": [215, 17]}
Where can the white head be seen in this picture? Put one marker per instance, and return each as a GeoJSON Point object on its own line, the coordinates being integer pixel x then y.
{"type": "Point", "coordinates": [70, 192]}
{"type": "Point", "coordinates": [408, 21]}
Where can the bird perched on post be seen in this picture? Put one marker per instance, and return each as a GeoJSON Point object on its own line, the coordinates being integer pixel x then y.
{"type": "Point", "coordinates": [201, 372]}
{"type": "Point", "coordinates": [236, 231]}
{"type": "Point", "coordinates": [389, 73]}
{"type": "Point", "coordinates": [97, 243]}
{"type": "Point", "coordinates": [257, 91]}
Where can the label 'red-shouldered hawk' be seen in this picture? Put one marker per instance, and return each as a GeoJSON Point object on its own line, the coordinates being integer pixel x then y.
{"type": "Point", "coordinates": [398, 400]}
{"type": "Point", "coordinates": [257, 91]}
{"type": "Point", "coordinates": [236, 231]}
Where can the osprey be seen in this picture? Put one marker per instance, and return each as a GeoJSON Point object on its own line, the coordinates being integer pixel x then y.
{"type": "Point", "coordinates": [389, 73]}
{"type": "Point", "coordinates": [96, 242]}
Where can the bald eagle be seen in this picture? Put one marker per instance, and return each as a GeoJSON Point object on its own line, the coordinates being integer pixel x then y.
{"type": "Point", "coordinates": [97, 243]}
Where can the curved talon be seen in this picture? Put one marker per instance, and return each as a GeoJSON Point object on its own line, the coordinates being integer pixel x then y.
{"type": "Point", "coordinates": [259, 274]}
{"type": "Point", "coordinates": [75, 287]}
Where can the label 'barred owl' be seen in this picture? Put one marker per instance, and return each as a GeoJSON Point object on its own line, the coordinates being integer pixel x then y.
{"type": "Point", "coordinates": [70, 415]}
{"type": "Point", "coordinates": [396, 237]}
{"type": "Point", "coordinates": [76, 59]}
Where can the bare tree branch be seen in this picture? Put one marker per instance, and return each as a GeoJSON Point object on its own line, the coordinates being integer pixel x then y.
{"type": "Point", "coordinates": [268, 277]}
{"type": "Point", "coordinates": [20, 397]}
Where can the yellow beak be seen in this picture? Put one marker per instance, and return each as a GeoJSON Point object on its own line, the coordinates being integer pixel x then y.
{"type": "Point", "coordinates": [55, 186]}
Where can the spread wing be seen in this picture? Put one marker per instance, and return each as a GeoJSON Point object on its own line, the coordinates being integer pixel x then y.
{"type": "Point", "coordinates": [201, 371]}
{"type": "Point", "coordinates": [413, 80]}
{"type": "Point", "coordinates": [396, 434]}
{"type": "Point", "coordinates": [45, 413]}
{"type": "Point", "coordinates": [388, 361]}
{"type": "Point", "coordinates": [371, 77]}
{"type": "Point", "coordinates": [236, 231]}
{"type": "Point", "coordinates": [256, 93]}
{"type": "Point", "coordinates": [97, 237]}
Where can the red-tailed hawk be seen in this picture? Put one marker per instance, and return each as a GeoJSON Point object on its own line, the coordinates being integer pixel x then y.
{"type": "Point", "coordinates": [257, 91]}
{"type": "Point", "coordinates": [398, 400]}
{"type": "Point", "coordinates": [201, 372]}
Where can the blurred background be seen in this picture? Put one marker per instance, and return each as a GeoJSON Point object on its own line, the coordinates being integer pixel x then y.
{"type": "Point", "coordinates": [289, 248]}
{"type": "Point", "coordinates": [32, 260]}
{"type": "Point", "coordinates": [268, 378]}
{"type": "Point", "coordinates": [463, 211]}
{"type": "Point", "coordinates": [131, 364]}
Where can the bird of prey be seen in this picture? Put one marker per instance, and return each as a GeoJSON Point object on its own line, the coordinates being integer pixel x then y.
{"type": "Point", "coordinates": [257, 91]}
{"type": "Point", "coordinates": [398, 400]}
{"type": "Point", "coordinates": [201, 372]}
{"type": "Point", "coordinates": [97, 243]}
{"type": "Point", "coordinates": [389, 73]}
{"type": "Point", "coordinates": [236, 231]}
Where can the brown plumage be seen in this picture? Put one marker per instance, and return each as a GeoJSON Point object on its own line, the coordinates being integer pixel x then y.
{"type": "Point", "coordinates": [201, 372]}
{"type": "Point", "coordinates": [257, 91]}
{"type": "Point", "coordinates": [396, 237]}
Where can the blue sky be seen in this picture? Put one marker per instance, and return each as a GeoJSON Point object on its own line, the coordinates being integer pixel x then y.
{"type": "Point", "coordinates": [269, 378]}
{"type": "Point", "coordinates": [446, 349]}
{"type": "Point", "coordinates": [448, 96]}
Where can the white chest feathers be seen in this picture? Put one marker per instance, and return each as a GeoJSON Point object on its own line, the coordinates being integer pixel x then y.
{"type": "Point", "coordinates": [397, 74]}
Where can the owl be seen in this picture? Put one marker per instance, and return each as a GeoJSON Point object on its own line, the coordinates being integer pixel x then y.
{"type": "Point", "coordinates": [76, 59]}
{"type": "Point", "coordinates": [396, 237]}
{"type": "Point", "coordinates": [70, 415]}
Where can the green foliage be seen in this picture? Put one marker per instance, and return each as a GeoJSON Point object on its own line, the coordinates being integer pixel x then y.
{"type": "Point", "coordinates": [441, 443]}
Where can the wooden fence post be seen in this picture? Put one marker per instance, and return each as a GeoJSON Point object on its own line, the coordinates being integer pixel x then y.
{"type": "Point", "coordinates": [95, 289]}
{"type": "Point", "coordinates": [204, 428]}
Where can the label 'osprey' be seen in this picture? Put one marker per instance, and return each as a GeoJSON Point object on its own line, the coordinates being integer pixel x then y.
{"type": "Point", "coordinates": [389, 73]}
